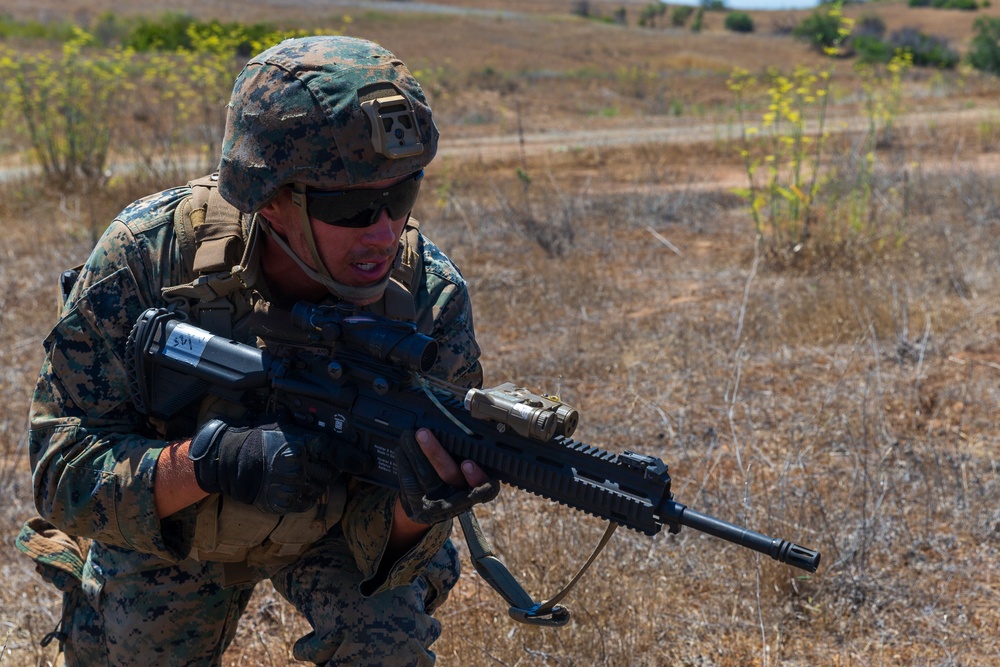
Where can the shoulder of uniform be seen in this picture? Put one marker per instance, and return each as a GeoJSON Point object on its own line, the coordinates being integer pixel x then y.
{"type": "Point", "coordinates": [145, 235]}
{"type": "Point", "coordinates": [155, 204]}
{"type": "Point", "coordinates": [438, 264]}
{"type": "Point", "coordinates": [153, 210]}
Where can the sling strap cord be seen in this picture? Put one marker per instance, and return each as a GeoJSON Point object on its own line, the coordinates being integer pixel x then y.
{"type": "Point", "coordinates": [522, 607]}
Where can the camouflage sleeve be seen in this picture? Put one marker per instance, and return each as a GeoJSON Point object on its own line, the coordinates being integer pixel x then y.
{"type": "Point", "coordinates": [445, 311]}
{"type": "Point", "coordinates": [92, 469]}
{"type": "Point", "coordinates": [367, 533]}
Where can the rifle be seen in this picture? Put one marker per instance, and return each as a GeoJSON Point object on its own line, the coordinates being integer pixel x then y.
{"type": "Point", "coordinates": [362, 378]}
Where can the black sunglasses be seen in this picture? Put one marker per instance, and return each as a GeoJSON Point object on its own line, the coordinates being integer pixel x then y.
{"type": "Point", "coordinates": [362, 208]}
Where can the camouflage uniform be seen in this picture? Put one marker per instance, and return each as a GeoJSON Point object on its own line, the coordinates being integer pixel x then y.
{"type": "Point", "coordinates": [94, 459]}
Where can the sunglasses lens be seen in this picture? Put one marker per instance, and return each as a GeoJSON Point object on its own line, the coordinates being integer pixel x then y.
{"type": "Point", "coordinates": [356, 221]}
{"type": "Point", "coordinates": [361, 208]}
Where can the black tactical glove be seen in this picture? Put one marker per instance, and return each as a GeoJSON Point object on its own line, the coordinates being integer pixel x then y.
{"type": "Point", "coordinates": [277, 468]}
{"type": "Point", "coordinates": [425, 496]}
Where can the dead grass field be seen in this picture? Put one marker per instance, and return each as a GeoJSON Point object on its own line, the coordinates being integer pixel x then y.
{"type": "Point", "coordinates": [848, 402]}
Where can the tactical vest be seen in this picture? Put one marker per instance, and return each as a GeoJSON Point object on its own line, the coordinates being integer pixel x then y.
{"type": "Point", "coordinates": [220, 246]}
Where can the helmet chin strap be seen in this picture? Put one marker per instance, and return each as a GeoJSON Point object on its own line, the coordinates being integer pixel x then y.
{"type": "Point", "coordinates": [322, 275]}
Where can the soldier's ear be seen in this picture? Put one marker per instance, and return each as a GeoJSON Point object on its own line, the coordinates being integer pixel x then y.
{"type": "Point", "coordinates": [277, 210]}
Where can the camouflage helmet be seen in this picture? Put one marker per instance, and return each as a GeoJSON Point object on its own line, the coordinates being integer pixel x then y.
{"type": "Point", "coordinates": [327, 112]}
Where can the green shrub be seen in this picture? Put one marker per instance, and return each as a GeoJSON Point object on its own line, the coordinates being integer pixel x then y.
{"type": "Point", "coordinates": [794, 205]}
{"type": "Point", "coordinates": [651, 14]}
{"type": "Point", "coordinates": [182, 32]}
{"type": "Point", "coordinates": [739, 22]}
{"type": "Point", "coordinates": [984, 50]}
{"type": "Point", "coordinates": [782, 160]}
{"type": "Point", "coordinates": [60, 31]}
{"type": "Point", "coordinates": [821, 29]}
{"type": "Point", "coordinates": [869, 25]}
{"type": "Point", "coordinates": [699, 20]}
{"type": "Point", "coordinates": [166, 33]}
{"type": "Point", "coordinates": [66, 102]}
{"type": "Point", "coordinates": [872, 50]}
{"type": "Point", "coordinates": [966, 5]}
{"type": "Point", "coordinates": [926, 50]}
{"type": "Point", "coordinates": [110, 29]}
{"type": "Point", "coordinates": [680, 14]}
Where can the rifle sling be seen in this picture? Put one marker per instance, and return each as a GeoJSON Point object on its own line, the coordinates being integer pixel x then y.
{"type": "Point", "coordinates": [522, 607]}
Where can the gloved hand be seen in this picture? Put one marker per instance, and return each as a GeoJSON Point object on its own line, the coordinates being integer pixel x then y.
{"type": "Point", "coordinates": [278, 468]}
{"type": "Point", "coordinates": [427, 498]}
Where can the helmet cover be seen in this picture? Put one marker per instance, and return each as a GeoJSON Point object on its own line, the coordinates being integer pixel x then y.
{"type": "Point", "coordinates": [308, 110]}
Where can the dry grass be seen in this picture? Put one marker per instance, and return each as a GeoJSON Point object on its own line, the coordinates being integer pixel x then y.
{"type": "Point", "coordinates": [848, 402]}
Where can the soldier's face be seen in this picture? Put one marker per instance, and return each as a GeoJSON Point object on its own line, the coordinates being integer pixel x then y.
{"type": "Point", "coordinates": [359, 257]}
{"type": "Point", "coordinates": [356, 257]}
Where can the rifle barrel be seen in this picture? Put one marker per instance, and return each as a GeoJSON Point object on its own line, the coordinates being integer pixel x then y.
{"type": "Point", "coordinates": [675, 515]}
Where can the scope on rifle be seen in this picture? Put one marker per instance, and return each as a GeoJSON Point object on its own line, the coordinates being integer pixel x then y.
{"type": "Point", "coordinates": [530, 415]}
{"type": "Point", "coordinates": [393, 341]}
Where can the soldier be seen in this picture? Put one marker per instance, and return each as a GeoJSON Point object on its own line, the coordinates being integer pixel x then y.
{"type": "Point", "coordinates": [173, 524]}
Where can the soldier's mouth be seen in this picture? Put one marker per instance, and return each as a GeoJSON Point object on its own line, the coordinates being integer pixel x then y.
{"type": "Point", "coordinates": [371, 271]}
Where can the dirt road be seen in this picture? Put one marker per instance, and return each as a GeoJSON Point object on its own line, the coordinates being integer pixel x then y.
{"type": "Point", "coordinates": [667, 130]}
